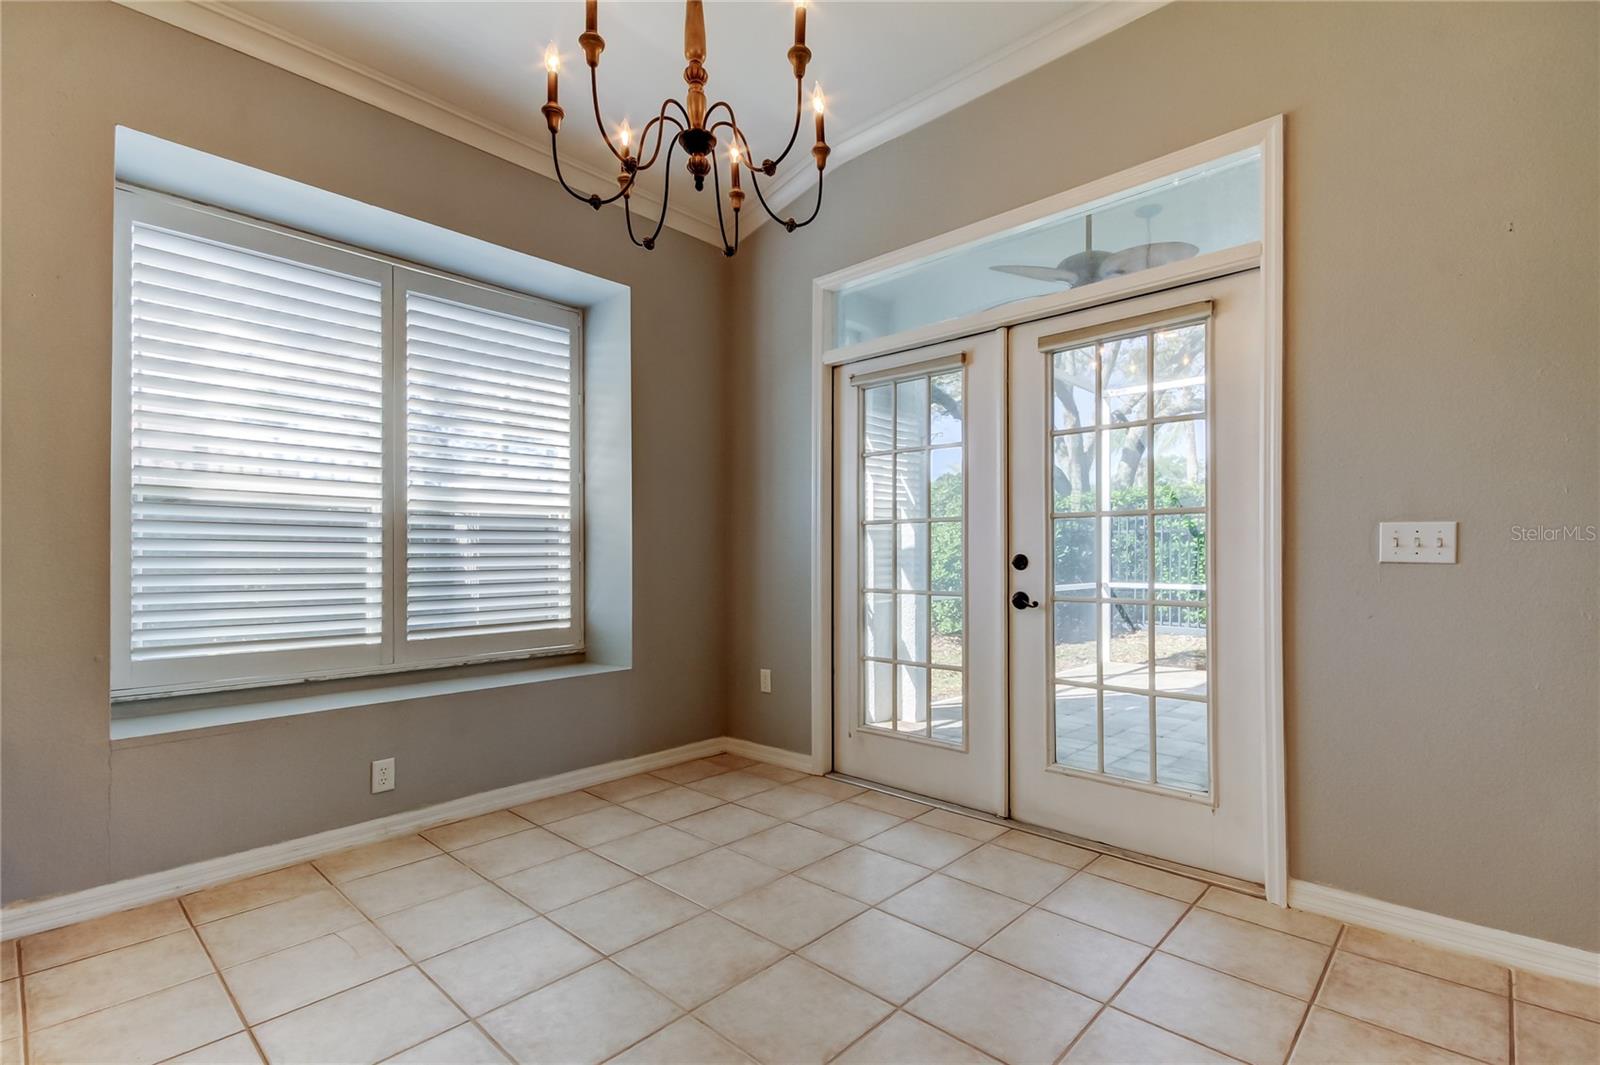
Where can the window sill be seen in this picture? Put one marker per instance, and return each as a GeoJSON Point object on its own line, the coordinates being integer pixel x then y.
{"type": "Point", "coordinates": [137, 731]}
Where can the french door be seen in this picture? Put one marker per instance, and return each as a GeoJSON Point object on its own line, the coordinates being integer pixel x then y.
{"type": "Point", "coordinates": [919, 618]}
{"type": "Point", "coordinates": [1138, 640]}
{"type": "Point", "coordinates": [1049, 597]}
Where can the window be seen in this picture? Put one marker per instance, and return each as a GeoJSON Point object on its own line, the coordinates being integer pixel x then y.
{"type": "Point", "coordinates": [327, 463]}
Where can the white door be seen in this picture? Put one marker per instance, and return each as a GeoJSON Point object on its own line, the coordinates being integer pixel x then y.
{"type": "Point", "coordinates": [919, 595]}
{"type": "Point", "coordinates": [1138, 681]}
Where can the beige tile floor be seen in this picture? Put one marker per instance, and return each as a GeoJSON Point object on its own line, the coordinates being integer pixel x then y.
{"type": "Point", "coordinates": [724, 911]}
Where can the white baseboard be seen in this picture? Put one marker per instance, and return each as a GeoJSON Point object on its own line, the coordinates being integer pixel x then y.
{"type": "Point", "coordinates": [40, 915]}
{"type": "Point", "coordinates": [800, 763]}
{"type": "Point", "coordinates": [1447, 933]}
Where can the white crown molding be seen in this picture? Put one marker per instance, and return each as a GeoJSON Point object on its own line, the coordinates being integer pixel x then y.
{"type": "Point", "coordinates": [245, 33]}
{"type": "Point", "coordinates": [1447, 933]}
{"type": "Point", "coordinates": [232, 28]}
{"type": "Point", "coordinates": [1086, 23]}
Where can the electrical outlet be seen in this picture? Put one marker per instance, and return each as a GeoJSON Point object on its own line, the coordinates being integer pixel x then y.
{"type": "Point", "coordinates": [766, 681]}
{"type": "Point", "coordinates": [383, 775]}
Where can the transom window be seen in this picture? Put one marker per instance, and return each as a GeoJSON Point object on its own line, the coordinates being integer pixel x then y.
{"type": "Point", "coordinates": [1131, 561]}
{"type": "Point", "coordinates": [328, 463]}
{"type": "Point", "coordinates": [913, 504]}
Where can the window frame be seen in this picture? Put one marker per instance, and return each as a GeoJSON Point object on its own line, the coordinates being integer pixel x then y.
{"type": "Point", "coordinates": [393, 652]}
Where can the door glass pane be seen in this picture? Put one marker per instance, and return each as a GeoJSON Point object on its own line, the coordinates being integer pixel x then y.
{"type": "Point", "coordinates": [1126, 655]}
{"type": "Point", "coordinates": [913, 536]}
{"type": "Point", "coordinates": [1181, 556]}
{"type": "Point", "coordinates": [945, 491]}
{"type": "Point", "coordinates": [946, 705]}
{"type": "Point", "coordinates": [1125, 372]}
{"type": "Point", "coordinates": [877, 627]}
{"type": "Point", "coordinates": [1183, 756]}
{"type": "Point", "coordinates": [1075, 472]}
{"type": "Point", "coordinates": [878, 698]}
{"type": "Point", "coordinates": [877, 556]}
{"type": "Point", "coordinates": [948, 562]}
{"type": "Point", "coordinates": [1130, 558]}
{"type": "Point", "coordinates": [911, 641]}
{"type": "Point", "coordinates": [1181, 658]}
{"type": "Point", "coordinates": [1126, 460]}
{"type": "Point", "coordinates": [1072, 378]}
{"type": "Point", "coordinates": [1180, 464]}
{"type": "Point", "coordinates": [1075, 565]}
{"type": "Point", "coordinates": [911, 413]}
{"type": "Point", "coordinates": [877, 487]}
{"type": "Point", "coordinates": [948, 631]}
{"type": "Point", "coordinates": [878, 418]}
{"type": "Point", "coordinates": [1077, 727]}
{"type": "Point", "coordinates": [1127, 735]}
{"type": "Point", "coordinates": [1076, 649]}
{"type": "Point", "coordinates": [913, 699]}
{"type": "Point", "coordinates": [945, 413]}
{"type": "Point", "coordinates": [911, 484]}
{"type": "Point", "coordinates": [911, 558]}
{"type": "Point", "coordinates": [1180, 382]}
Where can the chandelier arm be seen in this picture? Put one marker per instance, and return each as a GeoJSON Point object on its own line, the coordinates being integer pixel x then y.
{"type": "Point", "coordinates": [716, 192]}
{"type": "Point", "coordinates": [767, 166]}
{"type": "Point", "coordinates": [592, 199]}
{"type": "Point", "coordinates": [666, 195]}
{"type": "Point", "coordinates": [659, 123]}
{"type": "Point", "coordinates": [627, 213]}
{"type": "Point", "coordinates": [594, 94]}
{"type": "Point", "coordinates": [787, 223]}
{"type": "Point", "coordinates": [815, 210]}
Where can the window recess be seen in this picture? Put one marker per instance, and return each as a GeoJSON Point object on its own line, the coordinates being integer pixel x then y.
{"type": "Point", "coordinates": [328, 464]}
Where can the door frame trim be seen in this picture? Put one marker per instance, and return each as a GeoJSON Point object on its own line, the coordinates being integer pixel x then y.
{"type": "Point", "coordinates": [1266, 254]}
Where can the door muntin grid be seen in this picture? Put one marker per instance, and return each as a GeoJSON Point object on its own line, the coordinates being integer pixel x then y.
{"type": "Point", "coordinates": [913, 532]}
{"type": "Point", "coordinates": [1130, 613]}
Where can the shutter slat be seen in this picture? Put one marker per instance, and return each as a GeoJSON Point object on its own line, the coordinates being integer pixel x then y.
{"type": "Point", "coordinates": [257, 463]}
{"type": "Point", "coordinates": [488, 471]}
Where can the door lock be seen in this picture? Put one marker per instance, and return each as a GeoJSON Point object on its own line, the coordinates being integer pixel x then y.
{"type": "Point", "coordinates": [1021, 601]}
{"type": "Point", "coordinates": [1019, 562]}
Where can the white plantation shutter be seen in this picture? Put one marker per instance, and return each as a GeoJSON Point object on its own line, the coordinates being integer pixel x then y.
{"type": "Point", "coordinates": [256, 473]}
{"type": "Point", "coordinates": [491, 476]}
{"type": "Point", "coordinates": [327, 464]}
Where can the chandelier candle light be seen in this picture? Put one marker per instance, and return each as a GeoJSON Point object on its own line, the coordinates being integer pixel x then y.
{"type": "Point", "coordinates": [689, 125]}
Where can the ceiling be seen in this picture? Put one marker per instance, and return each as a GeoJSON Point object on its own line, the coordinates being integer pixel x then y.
{"type": "Point", "coordinates": [474, 69]}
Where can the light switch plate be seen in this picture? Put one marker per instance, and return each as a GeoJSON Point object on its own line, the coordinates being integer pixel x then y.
{"type": "Point", "coordinates": [1417, 541]}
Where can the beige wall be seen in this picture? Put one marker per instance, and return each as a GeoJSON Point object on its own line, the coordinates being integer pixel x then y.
{"type": "Point", "coordinates": [1443, 271]}
{"type": "Point", "coordinates": [1443, 275]}
{"type": "Point", "coordinates": [77, 812]}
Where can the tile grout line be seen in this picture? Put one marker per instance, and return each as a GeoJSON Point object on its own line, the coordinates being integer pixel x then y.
{"type": "Point", "coordinates": [1384, 1027]}
{"type": "Point", "coordinates": [979, 948]}
{"type": "Point", "coordinates": [25, 1039]}
{"type": "Point", "coordinates": [415, 964]}
{"type": "Point", "coordinates": [1137, 969]}
{"type": "Point", "coordinates": [216, 970]}
{"type": "Point", "coordinates": [1316, 992]}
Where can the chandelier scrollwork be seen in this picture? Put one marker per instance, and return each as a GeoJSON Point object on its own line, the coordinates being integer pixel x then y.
{"type": "Point", "coordinates": [691, 126]}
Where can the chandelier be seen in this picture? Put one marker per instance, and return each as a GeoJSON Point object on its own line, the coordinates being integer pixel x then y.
{"type": "Point", "coordinates": [690, 126]}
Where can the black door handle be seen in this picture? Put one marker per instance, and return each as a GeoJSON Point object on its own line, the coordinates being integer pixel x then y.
{"type": "Point", "coordinates": [1021, 601]}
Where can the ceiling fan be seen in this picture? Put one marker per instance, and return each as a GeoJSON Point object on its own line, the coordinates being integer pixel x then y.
{"type": "Point", "coordinates": [1094, 264]}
